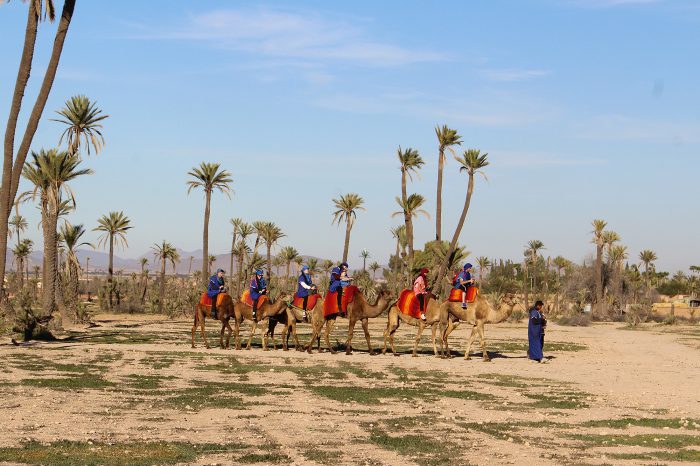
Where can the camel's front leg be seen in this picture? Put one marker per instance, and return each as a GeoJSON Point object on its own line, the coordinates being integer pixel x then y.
{"type": "Point", "coordinates": [421, 327]}
{"type": "Point", "coordinates": [483, 342]}
{"type": "Point", "coordinates": [469, 342]}
{"type": "Point", "coordinates": [252, 334]}
{"type": "Point", "coordinates": [221, 335]}
{"type": "Point", "coordinates": [445, 330]}
{"type": "Point", "coordinates": [315, 334]}
{"type": "Point", "coordinates": [351, 330]}
{"type": "Point", "coordinates": [228, 333]}
{"type": "Point", "coordinates": [433, 329]}
{"type": "Point", "coordinates": [194, 326]}
{"type": "Point", "coordinates": [237, 333]}
{"type": "Point", "coordinates": [329, 327]}
{"type": "Point", "coordinates": [294, 334]}
{"type": "Point", "coordinates": [202, 328]}
{"type": "Point", "coordinates": [365, 327]}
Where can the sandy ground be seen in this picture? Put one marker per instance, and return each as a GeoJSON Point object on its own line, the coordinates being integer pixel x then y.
{"type": "Point", "coordinates": [607, 395]}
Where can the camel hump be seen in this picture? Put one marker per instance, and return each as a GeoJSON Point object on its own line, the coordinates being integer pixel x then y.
{"type": "Point", "coordinates": [409, 304]}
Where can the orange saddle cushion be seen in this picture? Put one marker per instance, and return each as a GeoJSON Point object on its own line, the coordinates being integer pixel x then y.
{"type": "Point", "coordinates": [205, 300]}
{"type": "Point", "coordinates": [311, 303]}
{"type": "Point", "coordinates": [330, 303]}
{"type": "Point", "coordinates": [248, 301]}
{"type": "Point", "coordinates": [456, 295]}
{"type": "Point", "coordinates": [408, 303]}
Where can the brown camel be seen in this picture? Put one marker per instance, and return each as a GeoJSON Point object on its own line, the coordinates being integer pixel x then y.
{"type": "Point", "coordinates": [289, 321]}
{"type": "Point", "coordinates": [225, 311]}
{"type": "Point", "coordinates": [478, 313]}
{"type": "Point", "coordinates": [432, 319]}
{"type": "Point", "coordinates": [265, 310]}
{"type": "Point", "coordinates": [358, 309]}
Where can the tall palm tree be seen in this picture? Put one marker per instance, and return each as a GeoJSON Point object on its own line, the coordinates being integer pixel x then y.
{"type": "Point", "coordinates": [347, 206]}
{"type": "Point", "coordinates": [410, 162]}
{"type": "Point", "coordinates": [617, 254]}
{"type": "Point", "coordinates": [21, 251]}
{"type": "Point", "coordinates": [609, 238]}
{"type": "Point", "coordinates": [484, 263]}
{"type": "Point", "coordinates": [18, 224]}
{"type": "Point", "coordinates": [209, 177]}
{"type": "Point", "coordinates": [113, 227]}
{"type": "Point", "coordinates": [50, 172]}
{"type": "Point", "coordinates": [258, 226]}
{"type": "Point", "coordinates": [13, 163]}
{"type": "Point", "coordinates": [411, 207]}
{"type": "Point", "coordinates": [598, 229]}
{"type": "Point", "coordinates": [399, 234]}
{"type": "Point", "coordinates": [374, 266]}
{"type": "Point", "coordinates": [447, 138]}
{"type": "Point", "coordinates": [647, 257]}
{"type": "Point", "coordinates": [472, 162]}
{"type": "Point", "coordinates": [71, 236]}
{"type": "Point", "coordinates": [560, 263]}
{"type": "Point", "coordinates": [364, 255]}
{"type": "Point", "coordinates": [82, 119]}
{"type": "Point", "coordinates": [270, 235]}
{"type": "Point", "coordinates": [533, 249]}
{"type": "Point", "coordinates": [242, 252]}
{"type": "Point", "coordinates": [164, 252]}
{"type": "Point", "coordinates": [144, 279]}
{"type": "Point", "coordinates": [236, 224]}
{"type": "Point", "coordinates": [288, 254]}
{"type": "Point", "coordinates": [212, 261]}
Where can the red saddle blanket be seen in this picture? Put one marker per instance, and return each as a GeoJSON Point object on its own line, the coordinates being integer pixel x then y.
{"type": "Point", "coordinates": [408, 303]}
{"type": "Point", "coordinates": [330, 303]}
{"type": "Point", "coordinates": [456, 295]}
{"type": "Point", "coordinates": [311, 303]}
{"type": "Point", "coordinates": [248, 301]}
{"type": "Point", "coordinates": [205, 300]}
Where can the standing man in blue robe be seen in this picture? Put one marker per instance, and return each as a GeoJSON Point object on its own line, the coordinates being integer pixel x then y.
{"type": "Point", "coordinates": [258, 287]}
{"type": "Point", "coordinates": [535, 332]}
{"type": "Point", "coordinates": [215, 288]}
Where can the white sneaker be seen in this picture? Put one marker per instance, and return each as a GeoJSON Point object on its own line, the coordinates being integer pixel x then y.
{"type": "Point", "coordinates": [422, 316]}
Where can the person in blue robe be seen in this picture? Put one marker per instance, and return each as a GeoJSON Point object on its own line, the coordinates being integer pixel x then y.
{"type": "Point", "coordinates": [535, 332]}
{"type": "Point", "coordinates": [258, 288]}
{"type": "Point", "coordinates": [340, 280]}
{"type": "Point", "coordinates": [215, 288]}
{"type": "Point", "coordinates": [305, 288]}
{"type": "Point", "coordinates": [463, 281]}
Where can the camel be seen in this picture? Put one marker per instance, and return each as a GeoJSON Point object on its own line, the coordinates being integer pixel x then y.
{"type": "Point", "coordinates": [225, 311]}
{"type": "Point", "coordinates": [289, 321]}
{"type": "Point", "coordinates": [265, 310]}
{"type": "Point", "coordinates": [358, 309]}
{"type": "Point", "coordinates": [478, 314]}
{"type": "Point", "coordinates": [432, 319]}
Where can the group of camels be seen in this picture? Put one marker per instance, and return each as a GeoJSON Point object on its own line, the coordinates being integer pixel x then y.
{"type": "Point", "coordinates": [448, 315]}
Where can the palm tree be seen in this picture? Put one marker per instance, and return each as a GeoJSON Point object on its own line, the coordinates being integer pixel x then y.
{"type": "Point", "coordinates": [113, 226]}
{"type": "Point", "coordinates": [212, 261]}
{"type": "Point", "coordinates": [189, 267]}
{"type": "Point", "coordinates": [616, 256]}
{"type": "Point", "coordinates": [399, 234]}
{"type": "Point", "coordinates": [411, 208]}
{"type": "Point", "coordinates": [242, 251]}
{"type": "Point", "coordinates": [18, 225]}
{"type": "Point", "coordinates": [258, 226]}
{"type": "Point", "coordinates": [410, 162]}
{"type": "Point", "coordinates": [208, 177]}
{"type": "Point", "coordinates": [347, 206]}
{"type": "Point", "coordinates": [561, 263]}
{"type": "Point", "coordinates": [484, 263]}
{"type": "Point", "coordinates": [82, 119]}
{"type": "Point", "coordinates": [647, 257]}
{"type": "Point", "coordinates": [598, 229]}
{"type": "Point", "coordinates": [609, 238]}
{"type": "Point", "coordinates": [374, 266]}
{"type": "Point", "coordinates": [71, 236]}
{"type": "Point", "coordinates": [288, 254]}
{"type": "Point", "coordinates": [270, 234]}
{"type": "Point", "coordinates": [472, 161]}
{"type": "Point", "coordinates": [21, 251]}
{"type": "Point", "coordinates": [164, 252]}
{"type": "Point", "coordinates": [533, 248]}
{"type": "Point", "coordinates": [144, 279]}
{"type": "Point", "coordinates": [236, 224]}
{"type": "Point", "coordinates": [364, 254]}
{"type": "Point", "coordinates": [14, 163]}
{"type": "Point", "coordinates": [447, 138]}
{"type": "Point", "coordinates": [49, 172]}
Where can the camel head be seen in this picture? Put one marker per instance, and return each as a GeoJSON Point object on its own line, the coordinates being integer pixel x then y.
{"type": "Point", "coordinates": [511, 300]}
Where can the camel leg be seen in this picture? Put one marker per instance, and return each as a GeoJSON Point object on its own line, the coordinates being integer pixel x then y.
{"type": "Point", "coordinates": [203, 331]}
{"type": "Point", "coordinates": [293, 326]}
{"type": "Point", "coordinates": [391, 326]}
{"type": "Point", "coordinates": [329, 327]}
{"type": "Point", "coordinates": [315, 333]}
{"type": "Point", "coordinates": [480, 328]}
{"type": "Point", "coordinates": [228, 334]}
{"type": "Point", "coordinates": [469, 342]}
{"type": "Point", "coordinates": [221, 335]}
{"type": "Point", "coordinates": [351, 330]}
{"type": "Point", "coordinates": [252, 334]}
{"type": "Point", "coordinates": [237, 333]}
{"type": "Point", "coordinates": [421, 327]}
{"type": "Point", "coordinates": [433, 329]}
{"type": "Point", "coordinates": [194, 326]}
{"type": "Point", "coordinates": [365, 327]}
{"type": "Point", "coordinates": [445, 334]}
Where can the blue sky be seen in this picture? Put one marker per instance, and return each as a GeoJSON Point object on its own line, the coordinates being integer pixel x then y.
{"type": "Point", "coordinates": [587, 108]}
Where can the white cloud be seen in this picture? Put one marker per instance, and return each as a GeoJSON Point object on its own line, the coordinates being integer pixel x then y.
{"type": "Point", "coordinates": [283, 34]}
{"type": "Point", "coordinates": [512, 74]}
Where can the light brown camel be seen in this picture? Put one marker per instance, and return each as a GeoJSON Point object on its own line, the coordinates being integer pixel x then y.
{"type": "Point", "coordinates": [358, 309]}
{"type": "Point", "coordinates": [432, 319]}
{"type": "Point", "coordinates": [225, 311]}
{"type": "Point", "coordinates": [478, 314]}
{"type": "Point", "coordinates": [289, 321]}
{"type": "Point", "coordinates": [267, 309]}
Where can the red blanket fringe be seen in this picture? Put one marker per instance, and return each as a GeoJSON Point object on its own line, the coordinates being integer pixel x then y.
{"type": "Point", "coordinates": [248, 301]}
{"type": "Point", "coordinates": [205, 300]}
{"type": "Point", "coordinates": [299, 302]}
{"type": "Point", "coordinates": [408, 303]}
{"type": "Point", "coordinates": [330, 303]}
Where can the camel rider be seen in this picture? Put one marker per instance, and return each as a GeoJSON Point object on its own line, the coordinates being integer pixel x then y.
{"type": "Point", "coordinates": [339, 280]}
{"type": "Point", "coordinates": [305, 288]}
{"type": "Point", "coordinates": [420, 289]}
{"type": "Point", "coordinates": [258, 287]}
{"type": "Point", "coordinates": [464, 280]}
{"type": "Point", "coordinates": [215, 288]}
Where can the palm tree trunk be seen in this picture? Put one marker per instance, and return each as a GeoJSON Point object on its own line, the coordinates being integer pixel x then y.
{"type": "Point", "coordinates": [241, 274]}
{"type": "Point", "coordinates": [162, 286]}
{"type": "Point", "coordinates": [348, 227]}
{"type": "Point", "coordinates": [269, 264]}
{"type": "Point", "coordinates": [233, 246]}
{"type": "Point", "coordinates": [49, 284]}
{"type": "Point", "coordinates": [205, 240]}
{"type": "Point", "coordinates": [11, 173]}
{"type": "Point", "coordinates": [407, 221]}
{"type": "Point", "coordinates": [453, 244]}
{"type": "Point", "coordinates": [557, 305]}
{"type": "Point", "coordinates": [599, 279]}
{"type": "Point", "coordinates": [438, 205]}
{"type": "Point", "coordinates": [110, 270]}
